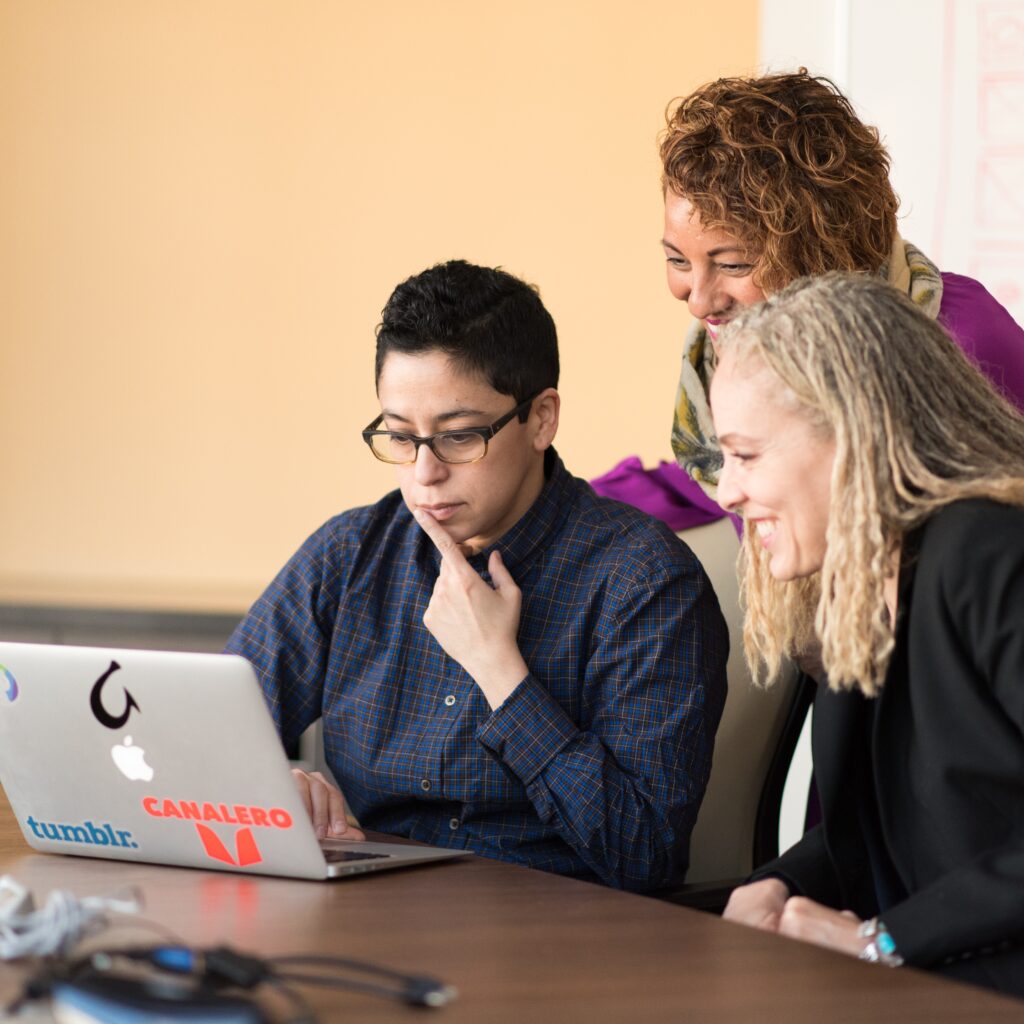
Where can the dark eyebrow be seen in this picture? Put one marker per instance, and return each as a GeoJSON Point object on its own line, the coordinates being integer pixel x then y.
{"type": "Point", "coordinates": [455, 414]}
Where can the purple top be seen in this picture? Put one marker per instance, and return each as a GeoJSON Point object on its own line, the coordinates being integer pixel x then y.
{"type": "Point", "coordinates": [986, 332]}
{"type": "Point", "coordinates": [666, 492]}
{"type": "Point", "coordinates": [973, 317]}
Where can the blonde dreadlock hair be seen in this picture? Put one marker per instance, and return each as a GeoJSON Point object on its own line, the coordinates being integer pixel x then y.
{"type": "Point", "coordinates": [916, 427]}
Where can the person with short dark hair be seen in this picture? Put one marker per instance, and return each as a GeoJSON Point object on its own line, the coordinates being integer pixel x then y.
{"type": "Point", "coordinates": [503, 661]}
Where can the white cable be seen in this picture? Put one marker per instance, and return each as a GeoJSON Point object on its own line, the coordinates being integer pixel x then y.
{"type": "Point", "coordinates": [58, 925]}
{"type": "Point", "coordinates": [14, 899]}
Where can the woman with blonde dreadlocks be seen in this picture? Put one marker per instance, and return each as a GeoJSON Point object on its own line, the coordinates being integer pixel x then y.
{"type": "Point", "coordinates": [773, 178]}
{"type": "Point", "coordinates": [881, 480]}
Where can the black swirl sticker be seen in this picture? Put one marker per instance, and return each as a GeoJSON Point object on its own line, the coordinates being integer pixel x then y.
{"type": "Point", "coordinates": [103, 716]}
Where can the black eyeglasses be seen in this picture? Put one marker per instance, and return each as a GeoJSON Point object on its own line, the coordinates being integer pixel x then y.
{"type": "Point", "coordinates": [453, 446]}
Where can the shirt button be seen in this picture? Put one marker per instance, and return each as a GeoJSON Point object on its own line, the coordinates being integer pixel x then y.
{"type": "Point", "coordinates": [449, 700]}
{"type": "Point", "coordinates": [425, 784]}
{"type": "Point", "coordinates": [454, 824]}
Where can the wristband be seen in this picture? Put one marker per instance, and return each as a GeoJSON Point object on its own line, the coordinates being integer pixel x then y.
{"type": "Point", "coordinates": [881, 949]}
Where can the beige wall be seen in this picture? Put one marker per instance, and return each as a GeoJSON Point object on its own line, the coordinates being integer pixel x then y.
{"type": "Point", "coordinates": [204, 206]}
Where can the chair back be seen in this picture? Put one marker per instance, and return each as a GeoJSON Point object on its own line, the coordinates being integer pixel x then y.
{"type": "Point", "coordinates": [737, 827]}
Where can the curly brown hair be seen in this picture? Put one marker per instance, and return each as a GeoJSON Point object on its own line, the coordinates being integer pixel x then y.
{"type": "Point", "coordinates": [783, 163]}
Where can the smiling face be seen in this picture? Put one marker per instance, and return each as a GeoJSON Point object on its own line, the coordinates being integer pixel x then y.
{"type": "Point", "coordinates": [479, 501]}
{"type": "Point", "coordinates": [710, 270]}
{"type": "Point", "coordinates": [777, 465]}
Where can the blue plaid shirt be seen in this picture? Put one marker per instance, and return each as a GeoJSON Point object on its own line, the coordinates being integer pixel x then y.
{"type": "Point", "coordinates": [594, 766]}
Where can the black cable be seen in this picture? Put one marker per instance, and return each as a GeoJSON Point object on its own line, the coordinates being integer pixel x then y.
{"type": "Point", "coordinates": [337, 962]}
{"type": "Point", "coordinates": [406, 994]}
{"type": "Point", "coordinates": [417, 990]}
{"type": "Point", "coordinates": [303, 1011]}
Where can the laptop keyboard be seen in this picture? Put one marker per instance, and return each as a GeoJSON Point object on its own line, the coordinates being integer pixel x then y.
{"type": "Point", "coordinates": [336, 856]}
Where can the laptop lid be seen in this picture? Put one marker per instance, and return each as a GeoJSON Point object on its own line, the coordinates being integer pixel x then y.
{"type": "Point", "coordinates": [159, 756]}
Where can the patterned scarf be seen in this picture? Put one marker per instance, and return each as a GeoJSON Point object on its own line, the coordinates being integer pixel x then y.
{"type": "Point", "coordinates": [693, 433]}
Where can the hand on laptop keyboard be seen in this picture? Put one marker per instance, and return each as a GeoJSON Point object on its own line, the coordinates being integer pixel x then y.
{"type": "Point", "coordinates": [325, 806]}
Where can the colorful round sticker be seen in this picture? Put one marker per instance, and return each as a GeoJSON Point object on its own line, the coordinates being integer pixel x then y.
{"type": "Point", "coordinates": [11, 688]}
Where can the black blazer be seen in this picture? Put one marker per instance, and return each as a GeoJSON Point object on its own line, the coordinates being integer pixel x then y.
{"type": "Point", "coordinates": [945, 745]}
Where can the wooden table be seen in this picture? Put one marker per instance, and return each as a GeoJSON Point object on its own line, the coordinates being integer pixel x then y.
{"type": "Point", "coordinates": [519, 945]}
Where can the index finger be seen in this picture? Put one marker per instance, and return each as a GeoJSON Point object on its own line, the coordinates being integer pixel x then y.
{"type": "Point", "coordinates": [302, 782]}
{"type": "Point", "coordinates": [337, 813]}
{"type": "Point", "coordinates": [443, 541]}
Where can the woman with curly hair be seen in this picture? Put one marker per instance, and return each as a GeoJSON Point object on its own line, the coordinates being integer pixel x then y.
{"type": "Point", "coordinates": [881, 480]}
{"type": "Point", "coordinates": [774, 178]}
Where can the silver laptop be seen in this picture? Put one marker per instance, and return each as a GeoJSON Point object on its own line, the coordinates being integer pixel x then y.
{"type": "Point", "coordinates": [163, 757]}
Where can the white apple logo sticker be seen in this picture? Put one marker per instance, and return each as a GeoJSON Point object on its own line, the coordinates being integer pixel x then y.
{"type": "Point", "coordinates": [131, 761]}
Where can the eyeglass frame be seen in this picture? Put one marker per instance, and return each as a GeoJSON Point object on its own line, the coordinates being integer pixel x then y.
{"type": "Point", "coordinates": [486, 433]}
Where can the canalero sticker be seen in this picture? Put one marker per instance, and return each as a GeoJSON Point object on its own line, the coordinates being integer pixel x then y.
{"type": "Point", "coordinates": [246, 849]}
